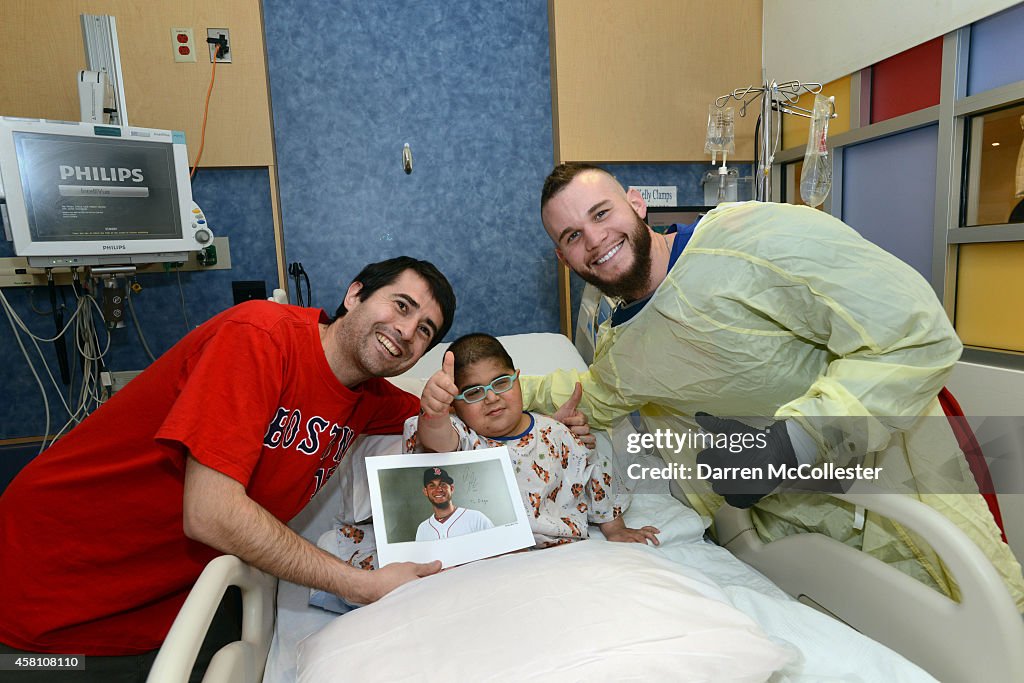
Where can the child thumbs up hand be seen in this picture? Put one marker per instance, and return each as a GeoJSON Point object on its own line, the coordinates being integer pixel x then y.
{"type": "Point", "coordinates": [440, 390]}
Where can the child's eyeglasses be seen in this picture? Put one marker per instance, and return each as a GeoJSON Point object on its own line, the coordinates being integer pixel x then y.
{"type": "Point", "coordinates": [499, 385]}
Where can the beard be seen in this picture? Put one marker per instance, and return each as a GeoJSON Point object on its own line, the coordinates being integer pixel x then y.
{"type": "Point", "coordinates": [632, 284]}
{"type": "Point", "coordinates": [376, 364]}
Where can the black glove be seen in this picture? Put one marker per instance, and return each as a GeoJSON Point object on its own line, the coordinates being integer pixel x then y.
{"type": "Point", "coordinates": [747, 447]}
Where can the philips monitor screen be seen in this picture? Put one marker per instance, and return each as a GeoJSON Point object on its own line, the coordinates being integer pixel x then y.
{"type": "Point", "coordinates": [82, 194]}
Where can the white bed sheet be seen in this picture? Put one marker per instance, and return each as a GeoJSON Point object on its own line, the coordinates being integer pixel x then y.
{"type": "Point", "coordinates": [831, 650]}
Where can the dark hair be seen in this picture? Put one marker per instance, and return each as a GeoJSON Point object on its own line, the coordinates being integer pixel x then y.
{"type": "Point", "coordinates": [561, 176]}
{"type": "Point", "coordinates": [384, 273]}
{"type": "Point", "coordinates": [472, 348]}
{"type": "Point", "coordinates": [1017, 215]}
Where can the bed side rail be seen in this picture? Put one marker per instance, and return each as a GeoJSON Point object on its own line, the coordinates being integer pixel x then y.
{"type": "Point", "coordinates": [242, 661]}
{"type": "Point", "coordinates": [953, 641]}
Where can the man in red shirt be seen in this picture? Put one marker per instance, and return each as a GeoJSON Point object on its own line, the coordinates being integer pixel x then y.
{"type": "Point", "coordinates": [210, 451]}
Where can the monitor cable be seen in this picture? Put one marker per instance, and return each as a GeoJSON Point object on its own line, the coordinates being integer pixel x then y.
{"type": "Point", "coordinates": [136, 288]}
{"type": "Point", "coordinates": [181, 294]}
{"type": "Point", "coordinates": [59, 345]}
{"type": "Point", "coordinates": [299, 276]}
{"type": "Point", "coordinates": [11, 317]}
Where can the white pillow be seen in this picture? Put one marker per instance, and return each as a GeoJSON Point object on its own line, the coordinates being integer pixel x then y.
{"type": "Point", "coordinates": [587, 611]}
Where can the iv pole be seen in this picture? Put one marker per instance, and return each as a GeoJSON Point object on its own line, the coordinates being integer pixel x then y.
{"type": "Point", "coordinates": [103, 54]}
{"type": "Point", "coordinates": [774, 97]}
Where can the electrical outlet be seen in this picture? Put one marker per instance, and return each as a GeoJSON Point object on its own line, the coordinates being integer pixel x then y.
{"type": "Point", "coordinates": [183, 44]}
{"type": "Point", "coordinates": [119, 379]}
{"type": "Point", "coordinates": [223, 37]}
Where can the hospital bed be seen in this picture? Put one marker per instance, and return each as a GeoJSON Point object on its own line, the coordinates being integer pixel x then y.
{"type": "Point", "coordinates": [663, 600]}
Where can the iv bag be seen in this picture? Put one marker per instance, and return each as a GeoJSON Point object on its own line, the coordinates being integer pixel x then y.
{"type": "Point", "coordinates": [816, 177]}
{"type": "Point", "coordinates": [721, 135]}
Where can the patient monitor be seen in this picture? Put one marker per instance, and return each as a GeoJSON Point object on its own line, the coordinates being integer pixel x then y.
{"type": "Point", "coordinates": [83, 194]}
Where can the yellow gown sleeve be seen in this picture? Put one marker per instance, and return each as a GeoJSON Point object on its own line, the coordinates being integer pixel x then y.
{"type": "Point", "coordinates": [891, 345]}
{"type": "Point", "coordinates": [601, 402]}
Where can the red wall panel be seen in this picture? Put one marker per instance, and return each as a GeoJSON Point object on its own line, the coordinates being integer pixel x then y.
{"type": "Point", "coordinates": [906, 82]}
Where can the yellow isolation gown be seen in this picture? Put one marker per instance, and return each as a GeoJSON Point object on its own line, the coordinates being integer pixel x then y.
{"type": "Point", "coordinates": [785, 312]}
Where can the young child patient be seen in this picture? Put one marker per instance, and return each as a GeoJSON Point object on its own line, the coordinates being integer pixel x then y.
{"type": "Point", "coordinates": [564, 485]}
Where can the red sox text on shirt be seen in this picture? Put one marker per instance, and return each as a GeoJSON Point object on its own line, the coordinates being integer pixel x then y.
{"type": "Point", "coordinates": [287, 425]}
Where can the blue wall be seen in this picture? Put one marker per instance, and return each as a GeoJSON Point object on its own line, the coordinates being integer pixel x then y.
{"type": "Point", "coordinates": [237, 204]}
{"type": "Point", "coordinates": [467, 85]}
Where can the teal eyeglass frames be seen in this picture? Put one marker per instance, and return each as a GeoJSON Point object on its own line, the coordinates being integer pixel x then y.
{"type": "Point", "coordinates": [499, 385]}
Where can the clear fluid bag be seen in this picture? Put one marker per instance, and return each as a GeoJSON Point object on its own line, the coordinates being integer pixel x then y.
{"type": "Point", "coordinates": [816, 176]}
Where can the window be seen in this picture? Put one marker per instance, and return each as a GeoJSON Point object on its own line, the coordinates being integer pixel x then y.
{"type": "Point", "coordinates": [995, 168]}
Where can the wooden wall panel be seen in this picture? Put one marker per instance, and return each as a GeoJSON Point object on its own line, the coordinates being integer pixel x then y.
{"type": "Point", "coordinates": [42, 50]}
{"type": "Point", "coordinates": [632, 81]}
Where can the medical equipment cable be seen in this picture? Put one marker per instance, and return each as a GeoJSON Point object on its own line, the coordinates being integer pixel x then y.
{"type": "Point", "coordinates": [181, 292]}
{"type": "Point", "coordinates": [206, 111]}
{"type": "Point", "coordinates": [46, 366]}
{"type": "Point", "coordinates": [14, 317]}
{"type": "Point", "coordinates": [21, 324]}
{"type": "Point", "coordinates": [87, 344]}
{"type": "Point", "coordinates": [96, 373]}
{"type": "Point", "coordinates": [299, 275]}
{"type": "Point", "coordinates": [42, 390]}
{"type": "Point", "coordinates": [86, 337]}
{"type": "Point", "coordinates": [32, 303]}
{"type": "Point", "coordinates": [138, 327]}
{"type": "Point", "coordinates": [69, 386]}
{"type": "Point", "coordinates": [59, 344]}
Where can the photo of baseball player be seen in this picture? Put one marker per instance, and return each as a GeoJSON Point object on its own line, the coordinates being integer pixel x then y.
{"type": "Point", "coordinates": [448, 520]}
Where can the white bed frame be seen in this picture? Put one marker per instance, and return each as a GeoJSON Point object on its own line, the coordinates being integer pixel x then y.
{"type": "Point", "coordinates": [242, 661]}
{"type": "Point", "coordinates": [952, 641]}
{"type": "Point", "coordinates": [981, 636]}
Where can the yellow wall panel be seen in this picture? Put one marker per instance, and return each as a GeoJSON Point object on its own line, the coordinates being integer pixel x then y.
{"type": "Point", "coordinates": [795, 128]}
{"type": "Point", "coordinates": [990, 295]}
